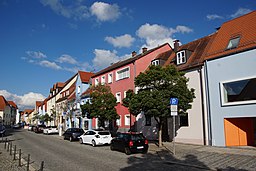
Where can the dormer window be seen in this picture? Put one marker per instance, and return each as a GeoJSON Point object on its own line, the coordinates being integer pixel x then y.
{"type": "Point", "coordinates": [181, 57]}
{"type": "Point", "coordinates": [155, 62]}
{"type": "Point", "coordinates": [233, 43]}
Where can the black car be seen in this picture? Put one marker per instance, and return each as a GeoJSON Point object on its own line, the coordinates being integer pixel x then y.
{"type": "Point", "coordinates": [2, 130]}
{"type": "Point", "coordinates": [39, 128]}
{"type": "Point", "coordinates": [130, 142]}
{"type": "Point", "coordinates": [73, 133]}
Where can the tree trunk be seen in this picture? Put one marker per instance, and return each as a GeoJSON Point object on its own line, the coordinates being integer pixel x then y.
{"type": "Point", "coordinates": [160, 134]}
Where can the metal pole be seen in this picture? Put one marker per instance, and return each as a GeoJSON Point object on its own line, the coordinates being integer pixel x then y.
{"type": "Point", "coordinates": [19, 157]}
{"type": "Point", "coordinates": [173, 135]}
{"type": "Point", "coordinates": [28, 162]}
{"type": "Point", "coordinates": [11, 148]}
{"type": "Point", "coordinates": [5, 143]}
{"type": "Point", "coordinates": [14, 155]}
{"type": "Point", "coordinates": [42, 166]}
{"type": "Point", "coordinates": [8, 145]}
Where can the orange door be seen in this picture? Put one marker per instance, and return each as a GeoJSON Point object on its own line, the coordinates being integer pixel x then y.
{"type": "Point", "coordinates": [239, 131]}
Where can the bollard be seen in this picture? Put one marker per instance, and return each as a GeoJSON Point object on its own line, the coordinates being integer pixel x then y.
{"type": "Point", "coordinates": [5, 143]}
{"type": "Point", "coordinates": [8, 145]}
{"type": "Point", "coordinates": [10, 148]}
{"type": "Point", "coordinates": [42, 166]}
{"type": "Point", "coordinates": [28, 162]}
{"type": "Point", "coordinates": [14, 155]}
{"type": "Point", "coordinates": [19, 157]}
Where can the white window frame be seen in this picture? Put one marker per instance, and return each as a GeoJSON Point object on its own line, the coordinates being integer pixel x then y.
{"type": "Point", "coordinates": [110, 77]}
{"type": "Point", "coordinates": [103, 79]}
{"type": "Point", "coordinates": [126, 120]}
{"type": "Point", "coordinates": [118, 121]}
{"type": "Point", "coordinates": [181, 59]}
{"type": "Point", "coordinates": [124, 75]}
{"type": "Point", "coordinates": [223, 93]}
{"type": "Point", "coordinates": [96, 81]}
{"type": "Point", "coordinates": [78, 89]}
{"type": "Point", "coordinates": [118, 97]}
{"type": "Point", "coordinates": [155, 62]}
{"type": "Point", "coordinates": [233, 42]}
{"type": "Point", "coordinates": [124, 94]}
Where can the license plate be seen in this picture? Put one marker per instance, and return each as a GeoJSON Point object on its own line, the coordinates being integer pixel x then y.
{"type": "Point", "coordinates": [140, 147]}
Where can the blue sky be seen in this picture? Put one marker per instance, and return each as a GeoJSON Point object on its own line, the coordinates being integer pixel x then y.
{"type": "Point", "coordinates": [47, 41]}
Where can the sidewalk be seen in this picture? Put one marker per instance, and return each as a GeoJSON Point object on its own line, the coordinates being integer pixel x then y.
{"type": "Point", "coordinates": [208, 157]}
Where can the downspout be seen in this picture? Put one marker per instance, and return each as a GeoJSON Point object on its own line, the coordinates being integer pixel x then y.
{"type": "Point", "coordinates": [208, 105]}
{"type": "Point", "coordinates": [202, 106]}
{"type": "Point", "coordinates": [134, 76]}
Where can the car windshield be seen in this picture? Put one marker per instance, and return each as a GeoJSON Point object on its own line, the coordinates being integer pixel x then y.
{"type": "Point", "coordinates": [53, 126]}
{"type": "Point", "coordinates": [77, 130]}
{"type": "Point", "coordinates": [137, 137]}
{"type": "Point", "coordinates": [104, 133]}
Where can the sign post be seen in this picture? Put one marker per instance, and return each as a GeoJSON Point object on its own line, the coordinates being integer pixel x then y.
{"type": "Point", "coordinates": [174, 112]}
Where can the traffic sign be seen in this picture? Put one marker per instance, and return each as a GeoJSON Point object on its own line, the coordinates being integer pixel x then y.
{"type": "Point", "coordinates": [174, 101]}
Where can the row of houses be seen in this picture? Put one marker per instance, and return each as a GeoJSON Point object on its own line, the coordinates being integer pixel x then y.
{"type": "Point", "coordinates": [220, 68]}
{"type": "Point", "coordinates": [8, 112]}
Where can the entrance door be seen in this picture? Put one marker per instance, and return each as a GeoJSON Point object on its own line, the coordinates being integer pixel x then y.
{"type": "Point", "coordinates": [239, 131]}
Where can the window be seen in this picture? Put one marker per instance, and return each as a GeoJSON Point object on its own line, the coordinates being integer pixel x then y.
{"type": "Point", "coordinates": [148, 120]}
{"type": "Point", "coordinates": [118, 121]}
{"type": "Point", "coordinates": [127, 120]}
{"type": "Point", "coordinates": [110, 78]}
{"type": "Point", "coordinates": [233, 43]}
{"type": "Point", "coordinates": [155, 62]}
{"type": "Point", "coordinates": [183, 120]}
{"type": "Point", "coordinates": [122, 74]}
{"type": "Point", "coordinates": [96, 81]}
{"type": "Point", "coordinates": [124, 94]}
{"type": "Point", "coordinates": [78, 89]}
{"type": "Point", "coordinates": [118, 97]}
{"type": "Point", "coordinates": [103, 80]}
{"type": "Point", "coordinates": [238, 91]}
{"type": "Point", "coordinates": [181, 57]}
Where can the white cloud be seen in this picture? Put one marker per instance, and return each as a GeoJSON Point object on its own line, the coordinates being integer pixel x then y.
{"type": "Point", "coordinates": [66, 59]}
{"type": "Point", "coordinates": [156, 35]}
{"type": "Point", "coordinates": [213, 17]}
{"type": "Point", "coordinates": [104, 58]}
{"type": "Point", "coordinates": [121, 41]}
{"type": "Point", "coordinates": [240, 11]}
{"type": "Point", "coordinates": [75, 10]}
{"type": "Point", "coordinates": [36, 55]}
{"type": "Point", "coordinates": [49, 64]}
{"type": "Point", "coordinates": [25, 101]}
{"type": "Point", "coordinates": [104, 11]}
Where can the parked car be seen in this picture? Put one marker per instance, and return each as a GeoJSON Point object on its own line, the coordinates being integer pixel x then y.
{"type": "Point", "coordinates": [2, 130]}
{"type": "Point", "coordinates": [95, 137]}
{"type": "Point", "coordinates": [17, 126]}
{"type": "Point", "coordinates": [31, 127]}
{"type": "Point", "coordinates": [39, 128]}
{"type": "Point", "coordinates": [50, 130]}
{"type": "Point", "coordinates": [130, 142]}
{"type": "Point", "coordinates": [73, 133]}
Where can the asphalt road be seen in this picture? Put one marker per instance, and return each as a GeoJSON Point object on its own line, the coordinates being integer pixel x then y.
{"type": "Point", "coordinates": [62, 155]}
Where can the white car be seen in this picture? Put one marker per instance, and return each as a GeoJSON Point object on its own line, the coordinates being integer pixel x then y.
{"type": "Point", "coordinates": [95, 137]}
{"type": "Point", "coordinates": [50, 130]}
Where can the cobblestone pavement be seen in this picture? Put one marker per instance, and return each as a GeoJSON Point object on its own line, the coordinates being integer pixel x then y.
{"type": "Point", "coordinates": [208, 157]}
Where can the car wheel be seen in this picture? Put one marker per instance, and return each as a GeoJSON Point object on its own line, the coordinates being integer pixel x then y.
{"type": "Point", "coordinates": [93, 143]}
{"type": "Point", "coordinates": [80, 141]}
{"type": "Point", "coordinates": [111, 147]}
{"type": "Point", "coordinates": [127, 151]}
{"type": "Point", "coordinates": [70, 139]}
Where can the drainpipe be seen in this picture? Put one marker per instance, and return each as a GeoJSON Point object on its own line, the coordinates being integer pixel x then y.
{"type": "Point", "coordinates": [208, 105]}
{"type": "Point", "coordinates": [202, 106]}
{"type": "Point", "coordinates": [134, 76]}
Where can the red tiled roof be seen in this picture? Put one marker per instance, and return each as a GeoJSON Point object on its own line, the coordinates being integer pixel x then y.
{"type": "Point", "coordinates": [85, 76]}
{"type": "Point", "coordinates": [13, 104]}
{"type": "Point", "coordinates": [28, 111]}
{"type": "Point", "coordinates": [244, 27]}
{"type": "Point", "coordinates": [197, 48]}
{"type": "Point", "coordinates": [3, 103]}
{"type": "Point", "coordinates": [39, 103]}
{"type": "Point", "coordinates": [87, 92]}
{"type": "Point", "coordinates": [127, 61]}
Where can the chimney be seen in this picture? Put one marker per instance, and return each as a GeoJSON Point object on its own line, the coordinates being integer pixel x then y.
{"type": "Point", "coordinates": [144, 50]}
{"type": "Point", "coordinates": [134, 53]}
{"type": "Point", "coordinates": [176, 45]}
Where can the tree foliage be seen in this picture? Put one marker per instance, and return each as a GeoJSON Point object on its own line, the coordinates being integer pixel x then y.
{"type": "Point", "coordinates": [102, 104]}
{"type": "Point", "coordinates": [156, 86]}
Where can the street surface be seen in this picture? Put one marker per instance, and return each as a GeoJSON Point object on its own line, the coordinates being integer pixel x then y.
{"type": "Point", "coordinates": [59, 154]}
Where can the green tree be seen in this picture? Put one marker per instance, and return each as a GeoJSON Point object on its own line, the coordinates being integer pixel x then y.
{"type": "Point", "coordinates": [46, 118]}
{"type": "Point", "coordinates": [156, 86]}
{"type": "Point", "coordinates": [102, 104]}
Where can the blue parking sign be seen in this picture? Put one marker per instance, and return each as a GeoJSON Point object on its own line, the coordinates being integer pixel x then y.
{"type": "Point", "coordinates": [174, 101]}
